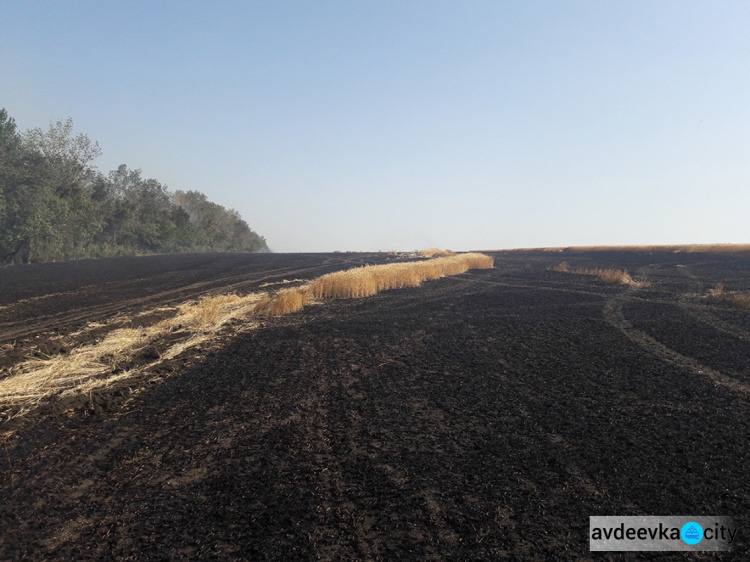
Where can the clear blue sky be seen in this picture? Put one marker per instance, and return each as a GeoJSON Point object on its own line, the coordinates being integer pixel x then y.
{"type": "Point", "coordinates": [379, 125]}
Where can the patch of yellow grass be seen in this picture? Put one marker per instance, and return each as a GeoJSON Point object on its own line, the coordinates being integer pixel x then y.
{"type": "Point", "coordinates": [285, 301]}
{"type": "Point", "coordinates": [740, 299]}
{"type": "Point", "coordinates": [717, 291]}
{"type": "Point", "coordinates": [282, 282]}
{"type": "Point", "coordinates": [613, 276]}
{"type": "Point", "coordinates": [562, 267]}
{"type": "Point", "coordinates": [735, 297]}
{"type": "Point", "coordinates": [435, 253]}
{"type": "Point", "coordinates": [369, 280]}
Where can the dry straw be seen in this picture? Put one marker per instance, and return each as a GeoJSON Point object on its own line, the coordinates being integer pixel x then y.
{"type": "Point", "coordinates": [97, 365]}
{"type": "Point", "coordinates": [370, 280]}
{"type": "Point", "coordinates": [735, 297]}
{"type": "Point", "coordinates": [614, 276]}
{"type": "Point", "coordinates": [435, 253]}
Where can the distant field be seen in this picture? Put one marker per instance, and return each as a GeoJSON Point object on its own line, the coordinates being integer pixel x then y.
{"type": "Point", "coordinates": [674, 248]}
{"type": "Point", "coordinates": [480, 416]}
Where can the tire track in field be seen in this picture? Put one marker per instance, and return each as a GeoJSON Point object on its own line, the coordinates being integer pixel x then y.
{"type": "Point", "coordinates": [378, 453]}
{"type": "Point", "coordinates": [342, 532]}
{"type": "Point", "coordinates": [701, 312]}
{"type": "Point", "coordinates": [613, 314]}
{"type": "Point", "coordinates": [316, 435]}
{"type": "Point", "coordinates": [536, 287]}
{"type": "Point", "coordinates": [557, 442]}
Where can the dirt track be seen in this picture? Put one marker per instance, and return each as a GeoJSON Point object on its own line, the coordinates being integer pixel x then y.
{"type": "Point", "coordinates": [481, 416]}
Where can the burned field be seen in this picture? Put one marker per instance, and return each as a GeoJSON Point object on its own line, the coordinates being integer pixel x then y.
{"type": "Point", "coordinates": [480, 416]}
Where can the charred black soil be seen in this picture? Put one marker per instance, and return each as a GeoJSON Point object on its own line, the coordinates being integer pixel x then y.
{"type": "Point", "coordinates": [478, 417]}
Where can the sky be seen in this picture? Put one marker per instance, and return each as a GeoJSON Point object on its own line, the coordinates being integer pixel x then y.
{"type": "Point", "coordinates": [399, 125]}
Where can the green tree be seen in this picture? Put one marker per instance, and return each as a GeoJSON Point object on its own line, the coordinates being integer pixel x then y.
{"type": "Point", "coordinates": [9, 141]}
{"type": "Point", "coordinates": [67, 158]}
{"type": "Point", "coordinates": [71, 155]}
{"type": "Point", "coordinates": [28, 205]}
{"type": "Point", "coordinates": [217, 228]}
{"type": "Point", "coordinates": [54, 204]}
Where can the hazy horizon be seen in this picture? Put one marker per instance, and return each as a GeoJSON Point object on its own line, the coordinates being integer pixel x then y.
{"type": "Point", "coordinates": [405, 125]}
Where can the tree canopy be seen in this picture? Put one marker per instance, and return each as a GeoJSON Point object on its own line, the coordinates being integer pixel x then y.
{"type": "Point", "coordinates": [55, 205]}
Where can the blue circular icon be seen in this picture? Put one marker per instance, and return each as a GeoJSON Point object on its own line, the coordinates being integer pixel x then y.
{"type": "Point", "coordinates": [691, 533]}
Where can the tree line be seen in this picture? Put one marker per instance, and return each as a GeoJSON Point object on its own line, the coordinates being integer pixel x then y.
{"type": "Point", "coordinates": [56, 205]}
